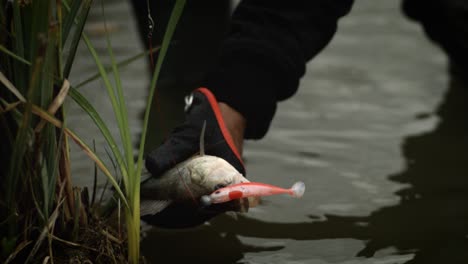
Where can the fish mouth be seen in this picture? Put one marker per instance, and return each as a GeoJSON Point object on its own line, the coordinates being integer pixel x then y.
{"type": "Point", "coordinates": [238, 206]}
{"type": "Point", "coordinates": [220, 185]}
{"type": "Point", "coordinates": [223, 184]}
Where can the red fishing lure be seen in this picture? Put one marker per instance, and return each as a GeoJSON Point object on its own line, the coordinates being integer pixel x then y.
{"type": "Point", "coordinates": [251, 189]}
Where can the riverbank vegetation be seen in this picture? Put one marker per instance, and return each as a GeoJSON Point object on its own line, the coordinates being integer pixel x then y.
{"type": "Point", "coordinates": [43, 217]}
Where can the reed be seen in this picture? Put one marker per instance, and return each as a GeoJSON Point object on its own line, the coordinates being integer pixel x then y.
{"type": "Point", "coordinates": [35, 171]}
{"type": "Point", "coordinates": [38, 42]}
{"type": "Point", "coordinates": [129, 169]}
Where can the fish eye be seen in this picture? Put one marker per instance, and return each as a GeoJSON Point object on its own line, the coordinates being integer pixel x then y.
{"type": "Point", "coordinates": [217, 192]}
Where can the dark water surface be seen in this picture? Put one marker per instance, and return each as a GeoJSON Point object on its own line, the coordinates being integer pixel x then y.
{"type": "Point", "coordinates": [377, 132]}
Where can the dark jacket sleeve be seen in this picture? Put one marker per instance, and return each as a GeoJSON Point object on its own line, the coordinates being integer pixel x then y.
{"type": "Point", "coordinates": [265, 52]}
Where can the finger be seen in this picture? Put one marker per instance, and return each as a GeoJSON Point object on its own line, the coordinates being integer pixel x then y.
{"type": "Point", "coordinates": [238, 205]}
{"type": "Point", "coordinates": [181, 145]}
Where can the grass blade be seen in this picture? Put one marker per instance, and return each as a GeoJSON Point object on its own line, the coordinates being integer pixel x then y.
{"type": "Point", "coordinates": [120, 65]}
{"type": "Point", "coordinates": [56, 103]}
{"type": "Point", "coordinates": [59, 40]}
{"type": "Point", "coordinates": [45, 231]}
{"type": "Point", "coordinates": [14, 56]}
{"type": "Point", "coordinates": [134, 217]}
{"type": "Point", "coordinates": [18, 29]}
{"type": "Point", "coordinates": [91, 111]}
{"type": "Point", "coordinates": [43, 114]}
{"type": "Point", "coordinates": [80, 22]}
{"type": "Point", "coordinates": [19, 48]}
{"type": "Point", "coordinates": [11, 87]}
{"type": "Point", "coordinates": [111, 93]}
{"type": "Point", "coordinates": [122, 110]}
{"type": "Point", "coordinates": [18, 249]}
{"type": "Point", "coordinates": [95, 174]}
{"type": "Point", "coordinates": [70, 19]}
{"type": "Point", "coordinates": [17, 164]}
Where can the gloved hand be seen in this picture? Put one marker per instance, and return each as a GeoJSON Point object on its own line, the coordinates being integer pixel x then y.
{"type": "Point", "coordinates": [184, 142]}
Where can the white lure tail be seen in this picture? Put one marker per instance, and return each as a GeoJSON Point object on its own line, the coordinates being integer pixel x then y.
{"type": "Point", "coordinates": [298, 189]}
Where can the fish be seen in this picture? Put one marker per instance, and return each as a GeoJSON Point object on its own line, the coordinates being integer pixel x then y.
{"type": "Point", "coordinates": [188, 181]}
{"type": "Point", "coordinates": [250, 189]}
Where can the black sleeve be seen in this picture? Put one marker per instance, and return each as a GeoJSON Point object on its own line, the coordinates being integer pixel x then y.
{"type": "Point", "coordinates": [265, 52]}
{"type": "Point", "coordinates": [446, 23]}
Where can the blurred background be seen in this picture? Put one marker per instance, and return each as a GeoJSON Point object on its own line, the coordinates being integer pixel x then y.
{"type": "Point", "coordinates": [377, 132]}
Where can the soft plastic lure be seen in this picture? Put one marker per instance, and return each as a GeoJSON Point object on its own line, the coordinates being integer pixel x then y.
{"type": "Point", "coordinates": [251, 189]}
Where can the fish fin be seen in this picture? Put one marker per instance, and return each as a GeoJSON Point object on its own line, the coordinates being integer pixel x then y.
{"type": "Point", "coordinates": [151, 207]}
{"type": "Point", "coordinates": [145, 175]}
{"type": "Point", "coordinates": [202, 139]}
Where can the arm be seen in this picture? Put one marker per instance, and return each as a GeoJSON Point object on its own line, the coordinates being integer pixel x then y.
{"type": "Point", "coordinates": [235, 124]}
{"type": "Point", "coordinates": [262, 60]}
{"type": "Point", "coordinates": [265, 52]}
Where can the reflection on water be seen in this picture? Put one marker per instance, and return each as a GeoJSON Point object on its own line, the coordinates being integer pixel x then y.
{"type": "Point", "coordinates": [206, 244]}
{"type": "Point", "coordinates": [432, 217]}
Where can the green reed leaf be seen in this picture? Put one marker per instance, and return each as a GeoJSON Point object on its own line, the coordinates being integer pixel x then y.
{"type": "Point", "coordinates": [122, 111]}
{"type": "Point", "coordinates": [119, 65]}
{"type": "Point", "coordinates": [80, 22]}
{"type": "Point", "coordinates": [134, 233]}
{"type": "Point", "coordinates": [111, 92]}
{"type": "Point", "coordinates": [94, 115]}
{"type": "Point", "coordinates": [43, 114]}
{"type": "Point", "coordinates": [70, 17]}
{"type": "Point", "coordinates": [14, 56]}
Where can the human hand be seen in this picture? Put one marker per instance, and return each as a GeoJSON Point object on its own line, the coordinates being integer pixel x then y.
{"type": "Point", "coordinates": [223, 138]}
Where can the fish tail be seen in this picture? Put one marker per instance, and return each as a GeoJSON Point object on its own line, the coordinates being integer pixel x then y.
{"type": "Point", "coordinates": [298, 189]}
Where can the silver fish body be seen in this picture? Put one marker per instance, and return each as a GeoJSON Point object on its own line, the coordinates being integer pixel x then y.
{"type": "Point", "coordinates": [188, 180]}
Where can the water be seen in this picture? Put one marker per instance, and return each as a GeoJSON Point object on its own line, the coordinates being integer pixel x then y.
{"type": "Point", "coordinates": [376, 132]}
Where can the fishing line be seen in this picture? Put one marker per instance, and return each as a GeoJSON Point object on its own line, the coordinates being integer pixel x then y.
{"type": "Point", "coordinates": [151, 25]}
{"type": "Point", "coordinates": [150, 33]}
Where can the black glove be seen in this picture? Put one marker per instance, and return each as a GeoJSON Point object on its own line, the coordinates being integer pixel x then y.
{"type": "Point", "coordinates": [184, 142]}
